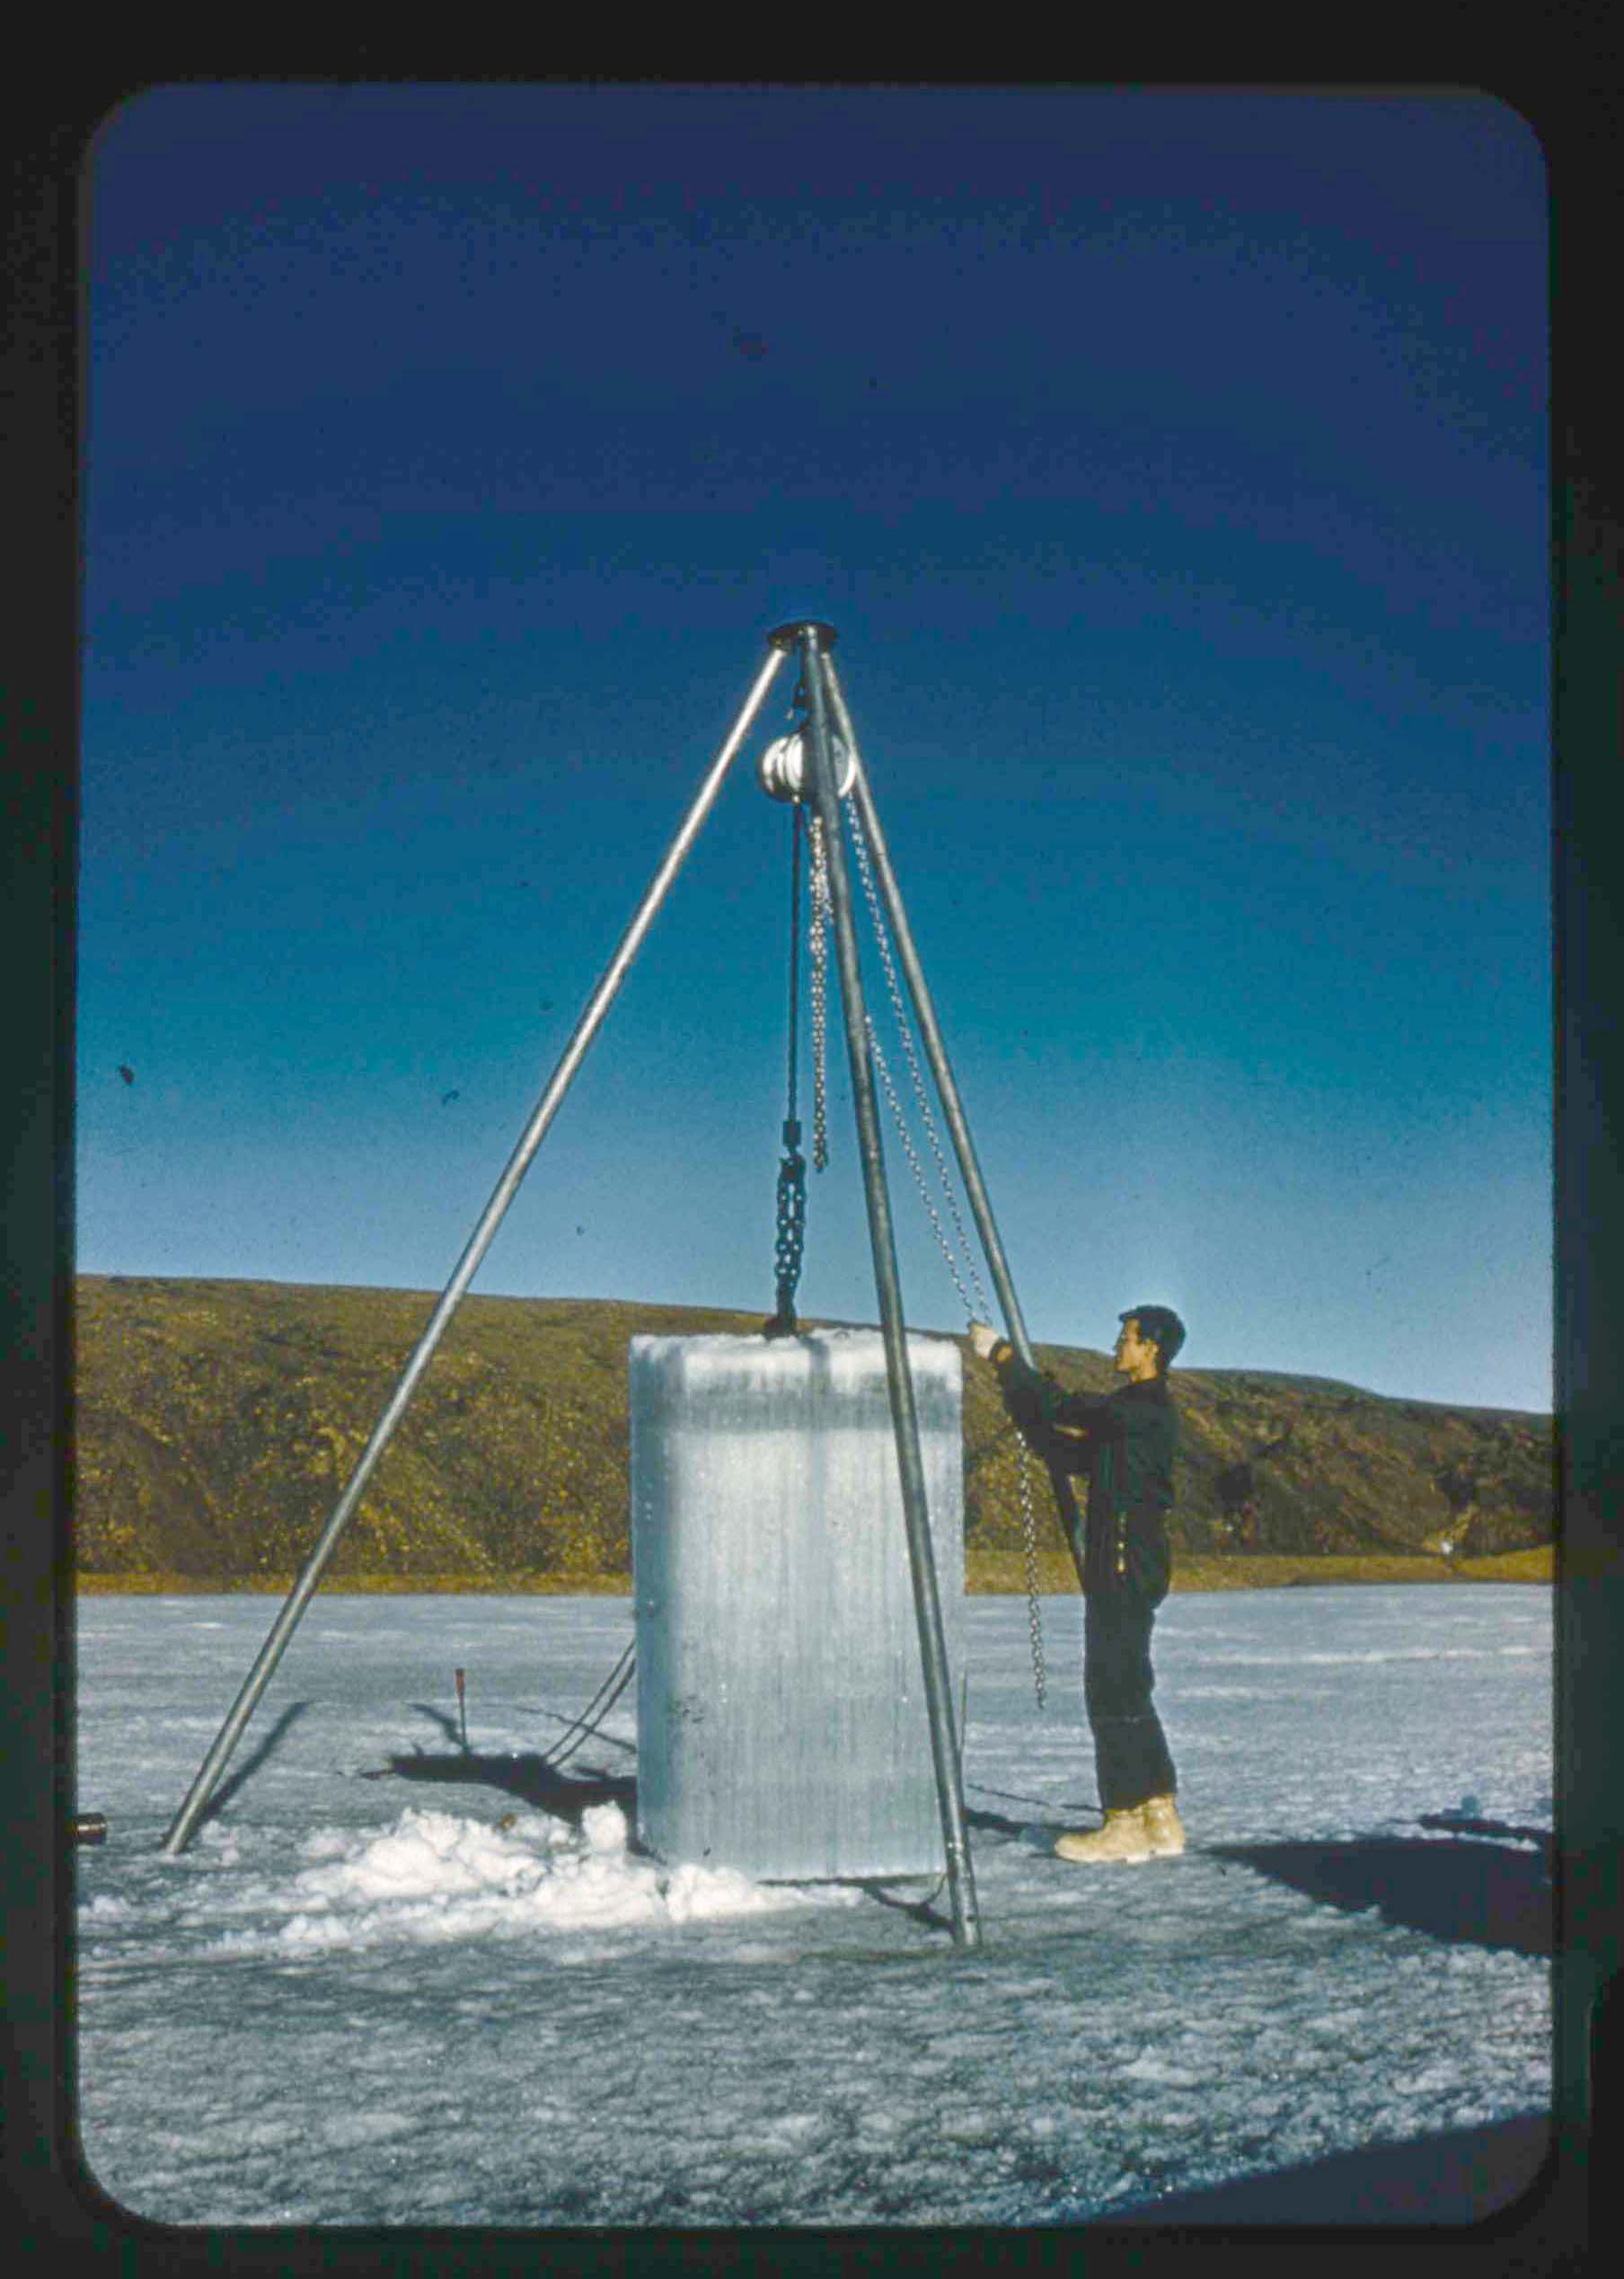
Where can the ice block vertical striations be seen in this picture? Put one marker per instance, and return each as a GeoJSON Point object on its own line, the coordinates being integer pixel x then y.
{"type": "Point", "coordinates": [782, 1723]}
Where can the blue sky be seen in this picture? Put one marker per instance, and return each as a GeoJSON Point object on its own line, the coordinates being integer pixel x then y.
{"type": "Point", "coordinates": [1174, 469]}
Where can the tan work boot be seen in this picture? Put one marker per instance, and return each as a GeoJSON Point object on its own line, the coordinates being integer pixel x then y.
{"type": "Point", "coordinates": [1123, 1838]}
{"type": "Point", "coordinates": [1163, 1826]}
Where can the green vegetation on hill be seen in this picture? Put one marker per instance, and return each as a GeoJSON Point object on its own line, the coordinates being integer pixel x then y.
{"type": "Point", "coordinates": [216, 1424]}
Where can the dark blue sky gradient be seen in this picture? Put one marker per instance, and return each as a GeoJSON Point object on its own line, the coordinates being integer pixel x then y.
{"type": "Point", "coordinates": [1173, 467]}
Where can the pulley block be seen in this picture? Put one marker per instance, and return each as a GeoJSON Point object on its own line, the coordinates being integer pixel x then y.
{"type": "Point", "coordinates": [784, 768]}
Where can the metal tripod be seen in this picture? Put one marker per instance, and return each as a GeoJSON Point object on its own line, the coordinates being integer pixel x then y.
{"type": "Point", "coordinates": [826, 716]}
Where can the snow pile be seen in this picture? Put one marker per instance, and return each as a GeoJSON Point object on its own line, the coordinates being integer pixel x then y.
{"type": "Point", "coordinates": [436, 1876]}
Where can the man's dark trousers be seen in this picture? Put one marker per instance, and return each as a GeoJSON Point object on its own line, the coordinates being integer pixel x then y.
{"type": "Point", "coordinates": [1131, 1757]}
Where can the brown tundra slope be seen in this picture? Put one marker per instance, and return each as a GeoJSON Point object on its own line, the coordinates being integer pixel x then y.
{"type": "Point", "coordinates": [215, 1423]}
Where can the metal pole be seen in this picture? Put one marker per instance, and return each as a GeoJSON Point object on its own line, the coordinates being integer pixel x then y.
{"type": "Point", "coordinates": [574, 1051]}
{"type": "Point", "coordinates": [932, 1645]}
{"type": "Point", "coordinates": [936, 1052]}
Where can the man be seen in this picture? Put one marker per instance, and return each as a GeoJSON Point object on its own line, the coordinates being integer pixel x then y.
{"type": "Point", "coordinates": [1122, 1445]}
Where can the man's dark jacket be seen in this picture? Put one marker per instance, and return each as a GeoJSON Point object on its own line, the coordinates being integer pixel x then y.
{"type": "Point", "coordinates": [1124, 1445]}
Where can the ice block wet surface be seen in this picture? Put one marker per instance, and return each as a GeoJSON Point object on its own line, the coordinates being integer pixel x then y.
{"type": "Point", "coordinates": [781, 1723]}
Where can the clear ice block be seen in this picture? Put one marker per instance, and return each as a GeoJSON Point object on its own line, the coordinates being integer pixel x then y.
{"type": "Point", "coordinates": [781, 1723]}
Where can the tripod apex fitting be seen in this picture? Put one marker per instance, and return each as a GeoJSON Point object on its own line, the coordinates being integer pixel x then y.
{"type": "Point", "coordinates": [785, 637]}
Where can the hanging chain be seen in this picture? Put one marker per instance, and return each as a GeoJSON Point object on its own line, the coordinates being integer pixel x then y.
{"type": "Point", "coordinates": [1028, 1537]}
{"type": "Point", "coordinates": [795, 832]}
{"type": "Point", "coordinates": [790, 1241]}
{"type": "Point", "coordinates": [790, 1229]}
{"type": "Point", "coordinates": [979, 1309]}
{"type": "Point", "coordinates": [818, 947]}
{"type": "Point", "coordinates": [790, 1244]}
{"type": "Point", "coordinates": [971, 1311]}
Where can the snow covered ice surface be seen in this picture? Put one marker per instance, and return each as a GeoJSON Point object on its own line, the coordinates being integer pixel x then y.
{"type": "Point", "coordinates": [453, 1992]}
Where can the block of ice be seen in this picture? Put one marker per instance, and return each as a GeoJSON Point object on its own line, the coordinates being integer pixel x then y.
{"type": "Point", "coordinates": [781, 1723]}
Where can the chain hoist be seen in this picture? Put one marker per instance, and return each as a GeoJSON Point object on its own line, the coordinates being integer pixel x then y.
{"type": "Point", "coordinates": [782, 771]}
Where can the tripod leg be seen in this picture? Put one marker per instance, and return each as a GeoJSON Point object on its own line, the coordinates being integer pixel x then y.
{"type": "Point", "coordinates": [932, 1645]}
{"type": "Point", "coordinates": [936, 1053]}
{"type": "Point", "coordinates": [586, 1028]}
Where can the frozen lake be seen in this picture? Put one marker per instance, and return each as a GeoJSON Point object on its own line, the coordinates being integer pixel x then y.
{"type": "Point", "coordinates": [391, 1984]}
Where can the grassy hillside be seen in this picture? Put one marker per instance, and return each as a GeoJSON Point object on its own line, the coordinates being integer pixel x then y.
{"type": "Point", "coordinates": [216, 1423]}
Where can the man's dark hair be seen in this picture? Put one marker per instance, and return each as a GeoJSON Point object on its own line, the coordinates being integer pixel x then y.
{"type": "Point", "coordinates": [1161, 1326]}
